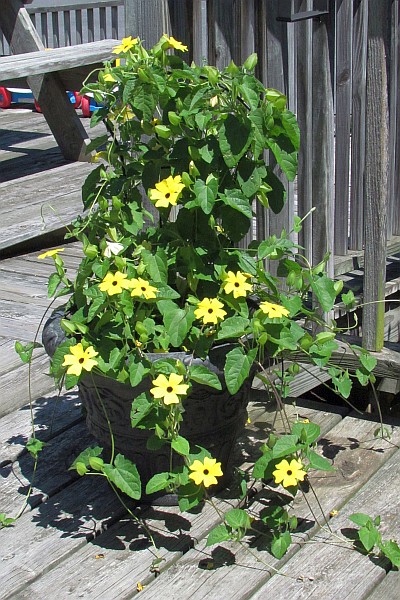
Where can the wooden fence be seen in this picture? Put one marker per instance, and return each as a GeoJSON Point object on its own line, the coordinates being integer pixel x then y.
{"type": "Point", "coordinates": [67, 24]}
{"type": "Point", "coordinates": [338, 63]}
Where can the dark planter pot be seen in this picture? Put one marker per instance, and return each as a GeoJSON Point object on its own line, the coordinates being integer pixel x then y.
{"type": "Point", "coordinates": [212, 419]}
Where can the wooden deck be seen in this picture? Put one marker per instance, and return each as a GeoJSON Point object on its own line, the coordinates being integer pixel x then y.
{"type": "Point", "coordinates": [75, 540]}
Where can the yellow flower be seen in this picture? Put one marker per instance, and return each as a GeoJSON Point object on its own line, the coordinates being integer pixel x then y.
{"type": "Point", "coordinates": [236, 284]}
{"type": "Point", "coordinates": [273, 310]}
{"type": "Point", "coordinates": [289, 474]}
{"type": "Point", "coordinates": [50, 253]}
{"type": "Point", "coordinates": [174, 43]}
{"type": "Point", "coordinates": [205, 472]}
{"type": "Point", "coordinates": [114, 283]}
{"type": "Point", "coordinates": [126, 44]}
{"type": "Point", "coordinates": [79, 359]}
{"type": "Point", "coordinates": [210, 310]}
{"type": "Point", "coordinates": [109, 78]}
{"type": "Point", "coordinates": [141, 287]}
{"type": "Point", "coordinates": [167, 192]}
{"type": "Point", "coordinates": [169, 389]}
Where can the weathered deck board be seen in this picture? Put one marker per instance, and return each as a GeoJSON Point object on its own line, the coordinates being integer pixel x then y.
{"type": "Point", "coordinates": [323, 561]}
{"type": "Point", "coordinates": [117, 545]}
{"type": "Point", "coordinates": [53, 414]}
{"type": "Point", "coordinates": [23, 301]}
{"type": "Point", "coordinates": [358, 457]}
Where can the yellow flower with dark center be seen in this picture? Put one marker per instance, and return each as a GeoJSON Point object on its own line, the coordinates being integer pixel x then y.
{"type": "Point", "coordinates": [273, 311]}
{"type": "Point", "coordinates": [169, 389]}
{"type": "Point", "coordinates": [175, 43]}
{"type": "Point", "coordinates": [236, 284]}
{"type": "Point", "coordinates": [205, 472]}
{"type": "Point", "coordinates": [167, 192]}
{"type": "Point", "coordinates": [289, 474]}
{"type": "Point", "coordinates": [49, 253]}
{"type": "Point", "coordinates": [114, 283]}
{"type": "Point", "coordinates": [210, 310]}
{"type": "Point", "coordinates": [79, 359]}
{"type": "Point", "coordinates": [126, 44]}
{"type": "Point", "coordinates": [141, 287]}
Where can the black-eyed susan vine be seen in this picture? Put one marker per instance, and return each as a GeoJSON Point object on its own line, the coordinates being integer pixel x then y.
{"type": "Point", "coordinates": [190, 141]}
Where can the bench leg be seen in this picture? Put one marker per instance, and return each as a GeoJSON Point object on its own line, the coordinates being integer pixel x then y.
{"type": "Point", "coordinates": [61, 116]}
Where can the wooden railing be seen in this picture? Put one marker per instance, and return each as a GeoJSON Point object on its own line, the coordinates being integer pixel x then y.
{"type": "Point", "coordinates": [67, 24]}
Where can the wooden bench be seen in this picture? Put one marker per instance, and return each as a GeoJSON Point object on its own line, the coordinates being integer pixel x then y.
{"type": "Point", "coordinates": [72, 64]}
{"type": "Point", "coordinates": [49, 74]}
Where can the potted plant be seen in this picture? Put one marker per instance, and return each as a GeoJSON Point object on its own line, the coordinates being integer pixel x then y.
{"type": "Point", "coordinates": [169, 315]}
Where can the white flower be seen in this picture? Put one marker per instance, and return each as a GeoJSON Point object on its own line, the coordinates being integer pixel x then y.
{"type": "Point", "coordinates": [113, 248]}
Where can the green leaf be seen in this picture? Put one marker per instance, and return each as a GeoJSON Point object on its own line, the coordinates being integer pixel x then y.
{"type": "Point", "coordinates": [156, 265]}
{"type": "Point", "coordinates": [178, 323]}
{"type": "Point", "coordinates": [137, 370]}
{"type": "Point", "coordinates": [200, 374]}
{"type": "Point", "coordinates": [277, 195]}
{"type": "Point", "coordinates": [324, 289]}
{"type": "Point", "coordinates": [206, 194]}
{"type": "Point", "coordinates": [6, 521]}
{"type": "Point", "coordinates": [52, 284]}
{"type": "Point", "coordinates": [217, 535]}
{"type": "Point", "coordinates": [287, 160]}
{"type": "Point", "coordinates": [34, 446]}
{"type": "Point", "coordinates": [291, 127]}
{"type": "Point", "coordinates": [158, 482]}
{"type": "Point", "coordinates": [85, 456]}
{"type": "Point", "coordinates": [369, 536]}
{"type": "Point", "coordinates": [238, 201]}
{"type": "Point", "coordinates": [234, 139]}
{"type": "Point", "coordinates": [25, 350]}
{"type": "Point", "coordinates": [181, 446]}
{"type": "Point", "coordinates": [237, 368]}
{"type": "Point", "coordinates": [348, 298]}
{"type": "Point", "coordinates": [144, 101]}
{"type": "Point", "coordinates": [281, 544]}
{"type": "Point", "coordinates": [306, 432]}
{"type": "Point", "coordinates": [141, 407]}
{"type": "Point", "coordinates": [392, 551]}
{"type": "Point", "coordinates": [368, 362]}
{"type": "Point", "coordinates": [237, 518]}
{"type": "Point", "coordinates": [360, 519]}
{"type": "Point", "coordinates": [319, 462]}
{"type": "Point", "coordinates": [261, 465]}
{"type": "Point", "coordinates": [124, 474]}
{"type": "Point", "coordinates": [285, 445]}
{"type": "Point", "coordinates": [362, 377]}
{"type": "Point", "coordinates": [233, 327]}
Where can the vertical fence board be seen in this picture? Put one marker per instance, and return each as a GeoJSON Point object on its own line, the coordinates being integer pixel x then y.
{"type": "Point", "coordinates": [103, 23]}
{"type": "Point", "coordinates": [360, 30]}
{"type": "Point", "coordinates": [200, 31]}
{"type": "Point", "coordinates": [305, 111]}
{"type": "Point", "coordinates": [225, 19]}
{"type": "Point", "coordinates": [397, 151]}
{"type": "Point", "coordinates": [376, 177]}
{"type": "Point", "coordinates": [79, 27]}
{"type": "Point", "coordinates": [344, 22]}
{"type": "Point", "coordinates": [277, 77]}
{"type": "Point", "coordinates": [393, 109]}
{"type": "Point", "coordinates": [67, 28]}
{"type": "Point", "coordinates": [323, 150]}
{"type": "Point", "coordinates": [90, 24]}
{"type": "Point", "coordinates": [148, 20]}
